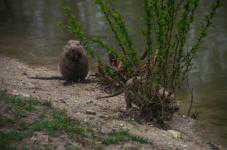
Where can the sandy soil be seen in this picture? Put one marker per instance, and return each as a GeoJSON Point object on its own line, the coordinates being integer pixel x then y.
{"type": "Point", "coordinates": [80, 101]}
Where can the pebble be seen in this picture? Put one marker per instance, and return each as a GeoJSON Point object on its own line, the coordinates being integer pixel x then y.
{"type": "Point", "coordinates": [40, 138]}
{"type": "Point", "coordinates": [104, 116]}
{"type": "Point", "coordinates": [25, 95]}
{"type": "Point", "coordinates": [90, 112]}
{"type": "Point", "coordinates": [24, 73]}
{"type": "Point", "coordinates": [14, 93]}
{"type": "Point", "coordinates": [176, 134]}
{"type": "Point", "coordinates": [105, 130]}
{"type": "Point", "coordinates": [150, 124]}
{"type": "Point", "coordinates": [121, 125]}
{"type": "Point", "coordinates": [89, 102]}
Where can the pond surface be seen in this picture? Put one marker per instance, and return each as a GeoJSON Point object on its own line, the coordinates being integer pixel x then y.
{"type": "Point", "coordinates": [29, 31]}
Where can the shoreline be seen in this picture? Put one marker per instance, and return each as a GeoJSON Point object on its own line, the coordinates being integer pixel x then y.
{"type": "Point", "coordinates": [80, 102]}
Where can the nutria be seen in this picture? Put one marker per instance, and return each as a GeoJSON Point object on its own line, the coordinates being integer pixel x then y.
{"type": "Point", "coordinates": [73, 63]}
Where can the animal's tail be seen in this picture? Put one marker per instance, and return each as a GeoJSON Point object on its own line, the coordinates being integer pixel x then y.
{"type": "Point", "coordinates": [48, 78]}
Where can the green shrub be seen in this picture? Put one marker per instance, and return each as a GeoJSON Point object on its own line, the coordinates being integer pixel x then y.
{"type": "Point", "coordinates": [164, 64]}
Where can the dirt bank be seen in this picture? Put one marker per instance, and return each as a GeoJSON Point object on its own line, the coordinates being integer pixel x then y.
{"type": "Point", "coordinates": [80, 102]}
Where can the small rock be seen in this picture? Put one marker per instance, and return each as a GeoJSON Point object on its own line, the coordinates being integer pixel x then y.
{"type": "Point", "coordinates": [114, 129]}
{"type": "Point", "coordinates": [121, 125]}
{"type": "Point", "coordinates": [24, 73]}
{"type": "Point", "coordinates": [14, 93]}
{"type": "Point", "coordinates": [104, 116]}
{"type": "Point", "coordinates": [40, 138]}
{"type": "Point", "coordinates": [150, 124]}
{"type": "Point", "coordinates": [89, 102]}
{"type": "Point", "coordinates": [90, 112]}
{"type": "Point", "coordinates": [105, 130]}
{"type": "Point", "coordinates": [61, 100]}
{"type": "Point", "coordinates": [176, 134]}
{"type": "Point", "coordinates": [25, 95]}
{"type": "Point", "coordinates": [31, 86]}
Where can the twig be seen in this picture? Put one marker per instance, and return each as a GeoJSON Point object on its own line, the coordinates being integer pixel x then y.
{"type": "Point", "coordinates": [112, 95]}
{"type": "Point", "coordinates": [191, 98]}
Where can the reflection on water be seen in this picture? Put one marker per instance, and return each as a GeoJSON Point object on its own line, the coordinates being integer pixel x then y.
{"type": "Point", "coordinates": [31, 27]}
{"type": "Point", "coordinates": [29, 31]}
{"type": "Point", "coordinates": [209, 80]}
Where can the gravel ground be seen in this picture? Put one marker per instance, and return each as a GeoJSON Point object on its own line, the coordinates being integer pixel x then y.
{"type": "Point", "coordinates": [80, 101]}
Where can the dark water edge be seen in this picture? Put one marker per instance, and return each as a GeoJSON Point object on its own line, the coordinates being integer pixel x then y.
{"type": "Point", "coordinates": [29, 31]}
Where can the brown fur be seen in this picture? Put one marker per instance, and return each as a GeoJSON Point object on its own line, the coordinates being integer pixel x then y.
{"type": "Point", "coordinates": [73, 62]}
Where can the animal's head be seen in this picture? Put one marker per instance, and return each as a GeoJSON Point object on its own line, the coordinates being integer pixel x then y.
{"type": "Point", "coordinates": [74, 53]}
{"type": "Point", "coordinates": [74, 43]}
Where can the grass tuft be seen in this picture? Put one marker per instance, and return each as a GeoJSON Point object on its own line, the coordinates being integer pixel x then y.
{"type": "Point", "coordinates": [6, 121]}
{"type": "Point", "coordinates": [123, 136]}
{"type": "Point", "coordinates": [52, 121]}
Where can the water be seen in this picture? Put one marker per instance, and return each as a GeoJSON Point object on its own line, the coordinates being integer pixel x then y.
{"type": "Point", "coordinates": [29, 31]}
